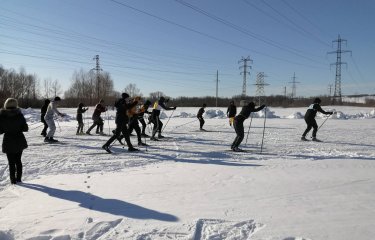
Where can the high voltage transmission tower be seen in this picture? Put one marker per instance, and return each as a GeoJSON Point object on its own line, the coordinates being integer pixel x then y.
{"type": "Point", "coordinates": [97, 69]}
{"type": "Point", "coordinates": [294, 86]}
{"type": "Point", "coordinates": [337, 94]}
{"type": "Point", "coordinates": [245, 72]}
{"type": "Point", "coordinates": [260, 86]}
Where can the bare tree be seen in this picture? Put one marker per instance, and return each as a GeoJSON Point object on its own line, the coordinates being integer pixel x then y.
{"type": "Point", "coordinates": [132, 90]}
{"type": "Point", "coordinates": [56, 88]}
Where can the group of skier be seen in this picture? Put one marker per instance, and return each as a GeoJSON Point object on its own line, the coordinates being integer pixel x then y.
{"type": "Point", "coordinates": [129, 112]}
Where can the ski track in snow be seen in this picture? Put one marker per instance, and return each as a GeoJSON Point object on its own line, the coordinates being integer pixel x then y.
{"type": "Point", "coordinates": [83, 155]}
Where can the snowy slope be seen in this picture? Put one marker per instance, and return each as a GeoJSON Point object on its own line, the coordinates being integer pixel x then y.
{"type": "Point", "coordinates": [190, 186]}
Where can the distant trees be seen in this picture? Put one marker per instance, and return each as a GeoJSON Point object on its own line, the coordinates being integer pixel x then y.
{"type": "Point", "coordinates": [132, 90]}
{"type": "Point", "coordinates": [19, 85]}
{"type": "Point", "coordinates": [88, 88]}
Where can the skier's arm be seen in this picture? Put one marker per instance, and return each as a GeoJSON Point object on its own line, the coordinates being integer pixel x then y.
{"type": "Point", "coordinates": [167, 108]}
{"type": "Point", "coordinates": [54, 109]}
{"type": "Point", "coordinates": [25, 127]}
{"type": "Point", "coordinates": [259, 108]}
{"type": "Point", "coordinates": [319, 109]}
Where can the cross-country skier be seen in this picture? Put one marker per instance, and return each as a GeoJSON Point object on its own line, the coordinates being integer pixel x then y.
{"type": "Point", "coordinates": [97, 119]}
{"type": "Point", "coordinates": [51, 110]}
{"type": "Point", "coordinates": [141, 119]}
{"type": "Point", "coordinates": [238, 123]}
{"type": "Point", "coordinates": [13, 124]}
{"type": "Point", "coordinates": [43, 111]}
{"type": "Point", "coordinates": [200, 116]}
{"type": "Point", "coordinates": [80, 111]}
{"type": "Point", "coordinates": [310, 119]}
{"type": "Point", "coordinates": [231, 112]}
{"type": "Point", "coordinates": [155, 117]}
{"type": "Point", "coordinates": [122, 106]}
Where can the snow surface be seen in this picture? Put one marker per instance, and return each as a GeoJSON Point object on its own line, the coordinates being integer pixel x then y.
{"type": "Point", "coordinates": [189, 186]}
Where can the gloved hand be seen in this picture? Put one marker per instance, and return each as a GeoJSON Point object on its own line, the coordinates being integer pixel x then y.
{"type": "Point", "coordinates": [263, 106]}
{"type": "Point", "coordinates": [174, 108]}
{"type": "Point", "coordinates": [330, 113]}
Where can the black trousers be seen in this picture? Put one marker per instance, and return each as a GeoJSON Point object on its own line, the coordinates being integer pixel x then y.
{"type": "Point", "coordinates": [143, 122]}
{"type": "Point", "coordinates": [133, 124]}
{"type": "Point", "coordinates": [158, 125]}
{"type": "Point", "coordinates": [120, 129]}
{"type": "Point", "coordinates": [44, 131]}
{"type": "Point", "coordinates": [311, 123]}
{"type": "Point", "coordinates": [15, 167]}
{"type": "Point", "coordinates": [99, 122]}
{"type": "Point", "coordinates": [201, 122]}
{"type": "Point", "coordinates": [238, 127]}
{"type": "Point", "coordinates": [80, 126]}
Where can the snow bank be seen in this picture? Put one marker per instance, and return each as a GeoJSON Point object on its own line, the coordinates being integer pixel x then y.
{"type": "Point", "coordinates": [186, 115]}
{"type": "Point", "coordinates": [215, 113]}
{"type": "Point", "coordinates": [296, 115]}
{"type": "Point", "coordinates": [269, 114]}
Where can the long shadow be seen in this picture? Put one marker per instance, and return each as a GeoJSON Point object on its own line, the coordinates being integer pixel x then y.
{"type": "Point", "coordinates": [96, 203]}
{"type": "Point", "coordinates": [351, 144]}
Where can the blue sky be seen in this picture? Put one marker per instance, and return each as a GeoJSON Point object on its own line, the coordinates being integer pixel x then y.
{"type": "Point", "coordinates": [176, 46]}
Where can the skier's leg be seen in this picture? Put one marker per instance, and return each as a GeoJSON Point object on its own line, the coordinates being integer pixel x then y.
{"type": "Point", "coordinates": [18, 163]}
{"type": "Point", "coordinates": [143, 125]}
{"type": "Point", "coordinates": [12, 167]}
{"type": "Point", "coordinates": [314, 125]}
{"type": "Point", "coordinates": [52, 127]}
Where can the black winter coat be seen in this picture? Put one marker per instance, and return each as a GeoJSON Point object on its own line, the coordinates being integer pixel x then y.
{"type": "Point", "coordinates": [13, 124]}
{"type": "Point", "coordinates": [312, 110]}
{"type": "Point", "coordinates": [121, 110]}
{"type": "Point", "coordinates": [43, 111]}
{"type": "Point", "coordinates": [231, 111]}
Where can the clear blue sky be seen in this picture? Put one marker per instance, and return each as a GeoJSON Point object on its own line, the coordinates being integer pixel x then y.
{"type": "Point", "coordinates": [177, 46]}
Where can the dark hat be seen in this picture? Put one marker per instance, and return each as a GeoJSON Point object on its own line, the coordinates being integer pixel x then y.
{"type": "Point", "coordinates": [147, 102]}
{"type": "Point", "coordinates": [204, 105]}
{"type": "Point", "coordinates": [47, 101]}
{"type": "Point", "coordinates": [57, 99]}
{"type": "Point", "coordinates": [231, 102]}
{"type": "Point", "coordinates": [124, 95]}
{"type": "Point", "coordinates": [80, 105]}
{"type": "Point", "coordinates": [162, 99]}
{"type": "Point", "coordinates": [317, 100]}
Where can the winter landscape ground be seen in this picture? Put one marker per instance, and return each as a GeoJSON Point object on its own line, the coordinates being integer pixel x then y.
{"type": "Point", "coordinates": [189, 186]}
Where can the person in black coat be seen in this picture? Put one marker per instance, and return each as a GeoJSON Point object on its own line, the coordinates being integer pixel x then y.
{"type": "Point", "coordinates": [122, 106]}
{"type": "Point", "coordinates": [310, 119]}
{"type": "Point", "coordinates": [238, 123]}
{"type": "Point", "coordinates": [80, 111]}
{"type": "Point", "coordinates": [13, 124]}
{"type": "Point", "coordinates": [231, 112]}
{"type": "Point", "coordinates": [200, 116]}
{"type": "Point", "coordinates": [43, 111]}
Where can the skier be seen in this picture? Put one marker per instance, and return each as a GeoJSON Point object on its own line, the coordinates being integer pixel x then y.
{"type": "Point", "coordinates": [134, 115]}
{"type": "Point", "coordinates": [51, 110]}
{"type": "Point", "coordinates": [231, 112]}
{"type": "Point", "coordinates": [200, 117]}
{"type": "Point", "coordinates": [97, 119]}
{"type": "Point", "coordinates": [238, 123]}
{"type": "Point", "coordinates": [310, 119]}
{"type": "Point", "coordinates": [155, 117]}
{"type": "Point", "coordinates": [80, 111]}
{"type": "Point", "coordinates": [43, 111]}
{"type": "Point", "coordinates": [141, 119]}
{"type": "Point", "coordinates": [13, 124]}
{"type": "Point", "coordinates": [122, 106]}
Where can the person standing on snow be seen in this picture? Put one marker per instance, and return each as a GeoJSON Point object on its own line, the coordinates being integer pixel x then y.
{"type": "Point", "coordinates": [43, 111]}
{"type": "Point", "coordinates": [238, 123]}
{"type": "Point", "coordinates": [13, 124]}
{"type": "Point", "coordinates": [97, 119]}
{"type": "Point", "coordinates": [200, 117]}
{"type": "Point", "coordinates": [310, 119]}
{"type": "Point", "coordinates": [122, 106]}
{"type": "Point", "coordinates": [80, 111]}
{"type": "Point", "coordinates": [231, 112]}
{"type": "Point", "coordinates": [141, 119]}
{"type": "Point", "coordinates": [155, 117]}
{"type": "Point", "coordinates": [51, 110]}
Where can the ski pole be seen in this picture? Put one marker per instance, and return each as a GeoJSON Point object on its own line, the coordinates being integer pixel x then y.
{"type": "Point", "coordinates": [37, 126]}
{"type": "Point", "coordinates": [324, 121]}
{"type": "Point", "coordinates": [167, 121]}
{"type": "Point", "coordinates": [109, 128]}
{"type": "Point", "coordinates": [58, 124]}
{"type": "Point", "coordinates": [264, 128]}
{"type": "Point", "coordinates": [248, 131]}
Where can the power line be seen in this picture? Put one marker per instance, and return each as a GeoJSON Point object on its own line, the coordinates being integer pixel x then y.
{"type": "Point", "coordinates": [294, 86]}
{"type": "Point", "coordinates": [245, 72]}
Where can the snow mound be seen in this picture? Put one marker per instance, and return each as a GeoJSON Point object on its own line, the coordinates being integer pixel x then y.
{"type": "Point", "coordinates": [100, 229]}
{"type": "Point", "coordinates": [215, 113]}
{"type": "Point", "coordinates": [210, 229]}
{"type": "Point", "coordinates": [31, 115]}
{"type": "Point", "coordinates": [296, 115]}
{"type": "Point", "coordinates": [269, 114]}
{"type": "Point", "coordinates": [186, 115]}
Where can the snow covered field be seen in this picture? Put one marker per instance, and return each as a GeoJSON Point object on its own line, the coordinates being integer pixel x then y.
{"type": "Point", "coordinates": [190, 186]}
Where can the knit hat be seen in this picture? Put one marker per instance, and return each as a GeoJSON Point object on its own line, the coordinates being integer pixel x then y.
{"type": "Point", "coordinates": [124, 95]}
{"type": "Point", "coordinates": [251, 104]}
{"type": "Point", "coordinates": [57, 99]}
{"type": "Point", "coordinates": [11, 103]}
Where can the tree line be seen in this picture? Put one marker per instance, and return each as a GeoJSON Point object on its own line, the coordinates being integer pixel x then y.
{"type": "Point", "coordinates": [89, 87]}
